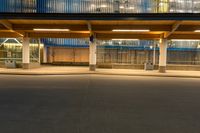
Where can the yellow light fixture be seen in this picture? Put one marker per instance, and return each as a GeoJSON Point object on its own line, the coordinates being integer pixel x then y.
{"type": "Point", "coordinates": [186, 40]}
{"type": "Point", "coordinates": [125, 39]}
{"type": "Point", "coordinates": [125, 30]}
{"type": "Point", "coordinates": [51, 29]}
{"type": "Point", "coordinates": [103, 6]}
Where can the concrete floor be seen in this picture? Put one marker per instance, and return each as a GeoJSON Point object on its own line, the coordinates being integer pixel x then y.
{"type": "Point", "coordinates": [99, 104]}
{"type": "Point", "coordinates": [67, 70]}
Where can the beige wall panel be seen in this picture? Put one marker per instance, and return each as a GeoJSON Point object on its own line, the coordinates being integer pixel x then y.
{"type": "Point", "coordinates": [63, 55]}
{"type": "Point", "coordinates": [50, 55]}
{"type": "Point", "coordinates": [82, 55]}
{"type": "Point", "coordinates": [70, 54]}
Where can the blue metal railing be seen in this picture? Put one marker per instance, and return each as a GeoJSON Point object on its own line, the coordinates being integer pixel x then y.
{"type": "Point", "coordinates": [141, 45]}
{"type": "Point", "coordinates": [81, 43]}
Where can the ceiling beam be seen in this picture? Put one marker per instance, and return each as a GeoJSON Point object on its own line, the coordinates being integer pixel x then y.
{"type": "Point", "coordinates": [105, 36]}
{"type": "Point", "coordinates": [102, 36]}
{"type": "Point", "coordinates": [28, 27]}
{"type": "Point", "coordinates": [185, 28]}
{"type": "Point", "coordinates": [58, 35]}
{"type": "Point", "coordinates": [90, 27]}
{"type": "Point", "coordinates": [174, 28]}
{"type": "Point", "coordinates": [9, 35]}
{"type": "Point", "coordinates": [184, 36]}
{"type": "Point", "coordinates": [6, 24]}
{"type": "Point", "coordinates": [9, 26]}
{"type": "Point", "coordinates": [132, 27]}
{"type": "Point", "coordinates": [96, 28]}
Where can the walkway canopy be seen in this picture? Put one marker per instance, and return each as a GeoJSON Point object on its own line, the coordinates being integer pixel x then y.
{"type": "Point", "coordinates": [104, 26]}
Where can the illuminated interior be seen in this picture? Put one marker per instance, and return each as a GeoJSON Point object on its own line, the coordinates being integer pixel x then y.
{"type": "Point", "coordinates": [11, 49]}
{"type": "Point", "coordinates": [101, 6]}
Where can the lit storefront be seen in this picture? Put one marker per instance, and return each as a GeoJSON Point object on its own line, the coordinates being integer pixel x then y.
{"type": "Point", "coordinates": [11, 49]}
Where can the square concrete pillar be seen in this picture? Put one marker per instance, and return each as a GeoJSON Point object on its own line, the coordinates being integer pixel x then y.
{"type": "Point", "coordinates": [26, 53]}
{"type": "Point", "coordinates": [163, 56]}
{"type": "Point", "coordinates": [45, 54]}
{"type": "Point", "coordinates": [50, 58]}
{"type": "Point", "coordinates": [92, 57]}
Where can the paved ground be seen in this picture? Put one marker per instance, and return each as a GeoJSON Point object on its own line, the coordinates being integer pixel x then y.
{"type": "Point", "coordinates": [65, 70]}
{"type": "Point", "coordinates": [99, 104]}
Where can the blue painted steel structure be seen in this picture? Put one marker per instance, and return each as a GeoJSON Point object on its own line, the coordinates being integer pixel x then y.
{"type": "Point", "coordinates": [80, 43]}
{"type": "Point", "coordinates": [148, 48]}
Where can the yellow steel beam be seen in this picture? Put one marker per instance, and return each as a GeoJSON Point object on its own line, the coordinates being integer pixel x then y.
{"type": "Point", "coordinates": [175, 26]}
{"type": "Point", "coordinates": [9, 26]}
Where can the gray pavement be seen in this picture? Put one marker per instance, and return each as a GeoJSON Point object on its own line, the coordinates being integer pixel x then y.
{"type": "Point", "coordinates": [99, 104]}
{"type": "Point", "coordinates": [67, 70]}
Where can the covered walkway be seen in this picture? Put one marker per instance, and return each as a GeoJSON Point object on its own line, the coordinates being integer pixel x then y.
{"type": "Point", "coordinates": [160, 27]}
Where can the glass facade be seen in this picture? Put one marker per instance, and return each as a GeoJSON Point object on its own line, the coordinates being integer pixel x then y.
{"type": "Point", "coordinates": [11, 49]}
{"type": "Point", "coordinates": [184, 52]}
{"type": "Point", "coordinates": [100, 6]}
{"type": "Point", "coordinates": [137, 52]}
{"type": "Point", "coordinates": [125, 52]}
{"type": "Point", "coordinates": [122, 52]}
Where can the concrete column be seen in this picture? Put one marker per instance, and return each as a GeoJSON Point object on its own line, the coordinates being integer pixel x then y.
{"type": "Point", "coordinates": [163, 56]}
{"type": "Point", "coordinates": [50, 59]}
{"type": "Point", "coordinates": [39, 56]}
{"type": "Point", "coordinates": [92, 57]}
{"type": "Point", "coordinates": [25, 53]}
{"type": "Point", "coordinates": [154, 54]}
{"type": "Point", "coordinates": [45, 54]}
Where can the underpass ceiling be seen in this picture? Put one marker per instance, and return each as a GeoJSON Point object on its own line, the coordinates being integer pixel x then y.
{"type": "Point", "coordinates": [102, 28]}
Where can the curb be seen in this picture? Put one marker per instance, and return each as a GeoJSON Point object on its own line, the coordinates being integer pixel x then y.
{"type": "Point", "coordinates": [98, 73]}
{"type": "Point", "coordinates": [151, 75]}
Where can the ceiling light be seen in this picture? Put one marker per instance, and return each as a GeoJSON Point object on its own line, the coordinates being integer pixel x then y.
{"type": "Point", "coordinates": [92, 5]}
{"type": "Point", "coordinates": [103, 6]}
{"type": "Point", "coordinates": [51, 29]}
{"type": "Point", "coordinates": [131, 8]}
{"type": "Point", "coordinates": [125, 39]}
{"type": "Point", "coordinates": [186, 40]}
{"type": "Point", "coordinates": [121, 30]}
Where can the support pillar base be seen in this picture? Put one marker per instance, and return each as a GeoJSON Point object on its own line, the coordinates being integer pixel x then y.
{"type": "Point", "coordinates": [92, 67]}
{"type": "Point", "coordinates": [26, 65]}
{"type": "Point", "coordinates": [162, 69]}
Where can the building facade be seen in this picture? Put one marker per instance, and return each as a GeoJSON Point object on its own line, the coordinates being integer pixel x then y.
{"type": "Point", "coordinates": [100, 6]}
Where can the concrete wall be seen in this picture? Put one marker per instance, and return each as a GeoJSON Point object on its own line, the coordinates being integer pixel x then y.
{"type": "Point", "coordinates": [123, 59]}
{"type": "Point", "coordinates": [184, 57]}
{"type": "Point", "coordinates": [125, 56]}
{"type": "Point", "coordinates": [141, 67]}
{"type": "Point", "coordinates": [60, 55]}
{"type": "Point", "coordinates": [139, 57]}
